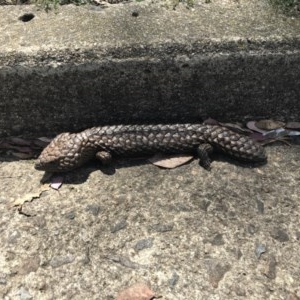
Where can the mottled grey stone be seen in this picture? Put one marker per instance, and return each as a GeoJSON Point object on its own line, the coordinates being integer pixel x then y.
{"type": "Point", "coordinates": [70, 215]}
{"type": "Point", "coordinates": [161, 227]}
{"type": "Point", "coordinates": [216, 271]}
{"type": "Point", "coordinates": [119, 226]}
{"type": "Point", "coordinates": [58, 261]}
{"type": "Point", "coordinates": [252, 229]}
{"type": "Point", "coordinates": [94, 209]}
{"type": "Point", "coordinates": [174, 279]}
{"type": "Point", "coordinates": [125, 262]}
{"type": "Point", "coordinates": [24, 294]}
{"type": "Point", "coordinates": [271, 271]}
{"type": "Point", "coordinates": [30, 264]}
{"type": "Point", "coordinates": [218, 240]}
{"type": "Point", "coordinates": [14, 236]}
{"type": "Point", "coordinates": [260, 206]}
{"type": "Point", "coordinates": [260, 249]}
{"type": "Point", "coordinates": [3, 279]}
{"type": "Point", "coordinates": [143, 244]}
{"type": "Point", "coordinates": [280, 235]}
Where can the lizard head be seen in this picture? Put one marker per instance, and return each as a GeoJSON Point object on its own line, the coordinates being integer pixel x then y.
{"type": "Point", "coordinates": [65, 152]}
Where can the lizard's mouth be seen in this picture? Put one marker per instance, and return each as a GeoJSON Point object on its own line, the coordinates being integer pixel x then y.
{"type": "Point", "coordinates": [48, 166]}
{"type": "Point", "coordinates": [38, 166]}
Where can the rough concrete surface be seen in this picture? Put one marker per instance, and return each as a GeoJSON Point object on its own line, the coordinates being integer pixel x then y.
{"type": "Point", "coordinates": [231, 233]}
{"type": "Point", "coordinates": [85, 66]}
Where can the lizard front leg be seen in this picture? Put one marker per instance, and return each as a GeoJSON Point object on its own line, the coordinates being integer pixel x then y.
{"type": "Point", "coordinates": [104, 157]}
{"type": "Point", "coordinates": [203, 152]}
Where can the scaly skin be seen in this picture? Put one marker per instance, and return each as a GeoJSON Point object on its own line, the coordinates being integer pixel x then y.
{"type": "Point", "coordinates": [70, 150]}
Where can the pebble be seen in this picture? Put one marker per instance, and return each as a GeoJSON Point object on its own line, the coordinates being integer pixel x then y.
{"type": "Point", "coordinates": [94, 209]}
{"type": "Point", "coordinates": [162, 227]}
{"type": "Point", "coordinates": [260, 206]}
{"type": "Point", "coordinates": [70, 215]}
{"type": "Point", "coordinates": [260, 249]}
{"type": "Point", "coordinates": [119, 226]}
{"type": "Point", "coordinates": [24, 294]}
{"type": "Point", "coordinates": [58, 261]}
{"type": "Point", "coordinates": [144, 244]}
{"type": "Point", "coordinates": [280, 235]}
{"type": "Point", "coordinates": [14, 236]}
{"type": "Point", "coordinates": [218, 240]}
{"type": "Point", "coordinates": [216, 271]}
{"type": "Point", "coordinates": [174, 279]}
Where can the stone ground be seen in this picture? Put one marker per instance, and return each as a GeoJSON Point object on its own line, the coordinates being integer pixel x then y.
{"type": "Point", "coordinates": [231, 233]}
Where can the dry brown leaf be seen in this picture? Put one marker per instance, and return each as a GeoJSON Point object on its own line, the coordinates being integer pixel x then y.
{"type": "Point", "coordinates": [269, 124]}
{"type": "Point", "coordinates": [252, 125]}
{"type": "Point", "coordinates": [30, 196]}
{"type": "Point", "coordinates": [138, 291]}
{"type": "Point", "coordinates": [170, 161]}
{"type": "Point", "coordinates": [293, 125]}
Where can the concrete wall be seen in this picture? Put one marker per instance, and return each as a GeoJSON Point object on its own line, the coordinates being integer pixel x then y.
{"type": "Point", "coordinates": [47, 91]}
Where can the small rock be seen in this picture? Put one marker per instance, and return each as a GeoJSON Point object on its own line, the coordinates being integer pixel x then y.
{"type": "Point", "coordinates": [120, 225]}
{"type": "Point", "coordinates": [271, 270]}
{"type": "Point", "coordinates": [252, 229]}
{"type": "Point", "coordinates": [216, 271]}
{"type": "Point", "coordinates": [174, 279]}
{"type": "Point", "coordinates": [14, 236]}
{"type": "Point", "coordinates": [260, 206]}
{"type": "Point", "coordinates": [280, 235]}
{"type": "Point", "coordinates": [125, 262]}
{"type": "Point", "coordinates": [24, 294]}
{"type": "Point", "coordinates": [181, 207]}
{"type": "Point", "coordinates": [94, 209]}
{"type": "Point", "coordinates": [3, 280]}
{"type": "Point", "coordinates": [162, 227]}
{"type": "Point", "coordinates": [143, 244]}
{"type": "Point", "coordinates": [58, 261]}
{"type": "Point", "coordinates": [70, 215]}
{"type": "Point", "coordinates": [238, 253]}
{"type": "Point", "coordinates": [86, 258]}
{"type": "Point", "coordinates": [260, 249]}
{"type": "Point", "coordinates": [29, 265]}
{"type": "Point", "coordinates": [204, 204]}
{"type": "Point", "coordinates": [218, 240]}
{"type": "Point", "coordinates": [240, 290]}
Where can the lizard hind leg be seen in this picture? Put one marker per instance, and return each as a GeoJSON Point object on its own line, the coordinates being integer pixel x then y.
{"type": "Point", "coordinates": [203, 152]}
{"type": "Point", "coordinates": [104, 157]}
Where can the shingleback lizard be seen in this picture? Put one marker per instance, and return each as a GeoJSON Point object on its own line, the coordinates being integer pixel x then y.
{"type": "Point", "coordinates": [68, 151]}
